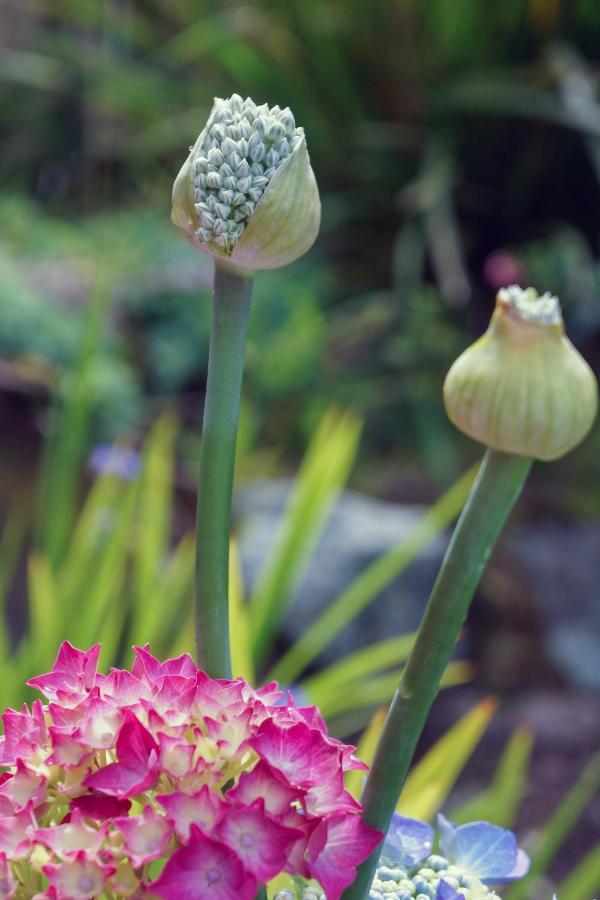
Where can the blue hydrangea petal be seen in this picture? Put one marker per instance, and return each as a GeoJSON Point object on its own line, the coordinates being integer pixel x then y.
{"type": "Point", "coordinates": [445, 892]}
{"type": "Point", "coordinates": [408, 841]}
{"type": "Point", "coordinates": [486, 851]}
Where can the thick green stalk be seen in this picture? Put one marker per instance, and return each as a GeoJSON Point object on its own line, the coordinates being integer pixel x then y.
{"type": "Point", "coordinates": [492, 497]}
{"type": "Point", "coordinates": [231, 304]}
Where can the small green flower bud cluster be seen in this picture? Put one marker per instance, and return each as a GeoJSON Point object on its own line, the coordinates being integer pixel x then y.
{"type": "Point", "coordinates": [397, 884]}
{"type": "Point", "coordinates": [243, 146]}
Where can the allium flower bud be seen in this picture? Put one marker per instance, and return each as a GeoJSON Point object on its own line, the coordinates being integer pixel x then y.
{"type": "Point", "coordinates": [246, 192]}
{"type": "Point", "coordinates": [523, 388]}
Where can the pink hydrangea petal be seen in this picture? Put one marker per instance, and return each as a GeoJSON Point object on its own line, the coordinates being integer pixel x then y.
{"type": "Point", "coordinates": [124, 688]}
{"type": "Point", "coordinates": [8, 885]}
{"type": "Point", "coordinates": [265, 783]}
{"type": "Point", "coordinates": [78, 878]}
{"type": "Point", "coordinates": [330, 796]}
{"type": "Point", "coordinates": [297, 852]}
{"type": "Point", "coordinates": [24, 788]}
{"type": "Point", "coordinates": [23, 732]}
{"type": "Point", "coordinates": [231, 735]}
{"type": "Point", "coordinates": [298, 752]}
{"type": "Point", "coordinates": [176, 756]}
{"type": "Point", "coordinates": [100, 806]}
{"type": "Point", "coordinates": [100, 724]}
{"type": "Point", "coordinates": [137, 767]}
{"type": "Point", "coordinates": [335, 848]}
{"type": "Point", "coordinates": [68, 838]}
{"type": "Point", "coordinates": [203, 809]}
{"type": "Point", "coordinates": [146, 836]}
{"type": "Point", "coordinates": [16, 834]}
{"type": "Point", "coordinates": [74, 671]}
{"type": "Point", "coordinates": [67, 751]}
{"type": "Point", "coordinates": [258, 840]}
{"type": "Point", "coordinates": [204, 868]}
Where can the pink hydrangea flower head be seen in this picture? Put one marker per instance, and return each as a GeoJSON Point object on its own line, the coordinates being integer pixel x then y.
{"type": "Point", "coordinates": [162, 782]}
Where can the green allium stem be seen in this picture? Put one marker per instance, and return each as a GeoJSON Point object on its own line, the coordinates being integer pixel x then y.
{"type": "Point", "coordinates": [231, 304]}
{"type": "Point", "coordinates": [494, 493]}
{"type": "Point", "coordinates": [262, 894]}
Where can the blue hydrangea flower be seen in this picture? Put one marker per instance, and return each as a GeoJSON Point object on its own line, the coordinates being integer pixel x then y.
{"type": "Point", "coordinates": [408, 842]}
{"type": "Point", "coordinates": [487, 852]}
{"type": "Point", "coordinates": [473, 856]}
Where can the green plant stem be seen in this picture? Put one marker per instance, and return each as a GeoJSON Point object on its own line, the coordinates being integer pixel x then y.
{"type": "Point", "coordinates": [231, 304]}
{"type": "Point", "coordinates": [495, 491]}
{"type": "Point", "coordinates": [262, 894]}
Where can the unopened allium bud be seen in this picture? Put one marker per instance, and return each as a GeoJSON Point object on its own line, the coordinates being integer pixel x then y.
{"type": "Point", "coordinates": [523, 388]}
{"type": "Point", "coordinates": [246, 192]}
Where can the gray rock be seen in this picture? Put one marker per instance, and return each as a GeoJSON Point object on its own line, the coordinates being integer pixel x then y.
{"type": "Point", "coordinates": [358, 531]}
{"type": "Point", "coordinates": [562, 564]}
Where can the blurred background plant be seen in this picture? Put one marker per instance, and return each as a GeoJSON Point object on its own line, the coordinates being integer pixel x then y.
{"type": "Point", "coordinates": [457, 149]}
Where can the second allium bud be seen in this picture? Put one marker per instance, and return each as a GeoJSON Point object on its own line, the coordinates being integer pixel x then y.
{"type": "Point", "coordinates": [246, 193]}
{"type": "Point", "coordinates": [523, 388]}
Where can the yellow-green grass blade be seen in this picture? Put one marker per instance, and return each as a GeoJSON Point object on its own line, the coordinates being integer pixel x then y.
{"type": "Point", "coordinates": [432, 779]}
{"type": "Point", "coordinates": [380, 689]}
{"type": "Point", "coordinates": [366, 751]}
{"type": "Point", "coordinates": [584, 881]}
{"type": "Point", "coordinates": [169, 600]}
{"type": "Point", "coordinates": [323, 473]}
{"type": "Point", "coordinates": [239, 625]}
{"type": "Point", "coordinates": [89, 537]}
{"type": "Point", "coordinates": [500, 802]}
{"type": "Point", "coordinates": [109, 575]}
{"type": "Point", "coordinates": [361, 664]}
{"type": "Point", "coordinates": [154, 512]}
{"type": "Point", "coordinates": [558, 828]}
{"type": "Point", "coordinates": [371, 582]}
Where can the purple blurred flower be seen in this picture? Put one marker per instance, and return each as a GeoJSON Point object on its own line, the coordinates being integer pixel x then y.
{"type": "Point", "coordinates": [407, 842]}
{"type": "Point", "coordinates": [108, 459]}
{"type": "Point", "coordinates": [485, 851]}
{"type": "Point", "coordinates": [502, 268]}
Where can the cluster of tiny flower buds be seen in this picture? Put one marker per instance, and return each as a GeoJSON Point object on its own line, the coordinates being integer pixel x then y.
{"type": "Point", "coordinates": [162, 782]}
{"type": "Point", "coordinates": [530, 305]}
{"type": "Point", "coordinates": [243, 145]}
{"type": "Point", "coordinates": [397, 882]}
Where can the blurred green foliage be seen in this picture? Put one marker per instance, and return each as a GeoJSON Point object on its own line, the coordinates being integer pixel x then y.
{"type": "Point", "coordinates": [456, 146]}
{"type": "Point", "coordinates": [117, 575]}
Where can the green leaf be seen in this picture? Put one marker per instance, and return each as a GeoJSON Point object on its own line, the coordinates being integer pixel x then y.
{"type": "Point", "coordinates": [373, 691]}
{"type": "Point", "coordinates": [371, 582]}
{"type": "Point", "coordinates": [500, 801]}
{"type": "Point", "coordinates": [43, 635]}
{"type": "Point", "coordinates": [169, 602]}
{"type": "Point", "coordinates": [154, 514]}
{"type": "Point", "coordinates": [323, 473]}
{"type": "Point", "coordinates": [108, 577]}
{"type": "Point", "coordinates": [584, 880]}
{"type": "Point", "coordinates": [65, 452]}
{"type": "Point", "coordinates": [366, 751]}
{"type": "Point", "coordinates": [432, 779]}
{"type": "Point", "coordinates": [239, 625]}
{"type": "Point", "coordinates": [88, 537]}
{"type": "Point", "coordinates": [558, 828]}
{"type": "Point", "coordinates": [361, 664]}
